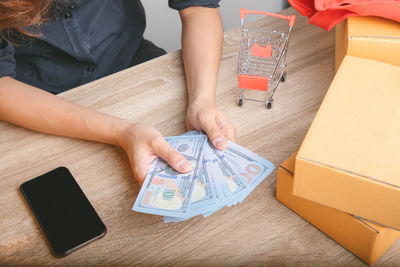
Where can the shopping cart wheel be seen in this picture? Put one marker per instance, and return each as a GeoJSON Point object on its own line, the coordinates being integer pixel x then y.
{"type": "Point", "coordinates": [240, 103]}
{"type": "Point", "coordinates": [269, 105]}
{"type": "Point", "coordinates": [283, 78]}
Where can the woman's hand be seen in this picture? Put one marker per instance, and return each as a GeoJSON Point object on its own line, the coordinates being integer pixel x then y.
{"type": "Point", "coordinates": [203, 115]}
{"type": "Point", "coordinates": [143, 144]}
{"type": "Point", "coordinates": [38, 110]}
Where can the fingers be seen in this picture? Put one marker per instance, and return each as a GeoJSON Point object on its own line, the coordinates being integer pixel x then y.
{"type": "Point", "coordinates": [228, 130]}
{"type": "Point", "coordinates": [143, 158]}
{"type": "Point", "coordinates": [189, 126]}
{"type": "Point", "coordinates": [210, 126]}
{"type": "Point", "coordinates": [171, 156]}
{"type": "Point", "coordinates": [230, 133]}
{"type": "Point", "coordinates": [141, 163]}
{"type": "Point", "coordinates": [144, 144]}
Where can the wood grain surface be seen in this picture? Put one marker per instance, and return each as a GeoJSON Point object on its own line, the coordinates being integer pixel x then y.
{"type": "Point", "coordinates": [258, 231]}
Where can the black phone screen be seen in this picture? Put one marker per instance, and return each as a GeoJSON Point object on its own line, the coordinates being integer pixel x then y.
{"type": "Point", "coordinates": [62, 210]}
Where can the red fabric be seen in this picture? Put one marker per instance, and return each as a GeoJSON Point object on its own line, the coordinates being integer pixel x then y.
{"type": "Point", "coordinates": [328, 13]}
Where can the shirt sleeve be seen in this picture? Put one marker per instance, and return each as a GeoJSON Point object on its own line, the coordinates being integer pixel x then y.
{"type": "Point", "coordinates": [181, 4]}
{"type": "Point", "coordinates": [7, 60]}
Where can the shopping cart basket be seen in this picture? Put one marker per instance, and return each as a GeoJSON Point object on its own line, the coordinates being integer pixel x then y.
{"type": "Point", "coordinates": [262, 57]}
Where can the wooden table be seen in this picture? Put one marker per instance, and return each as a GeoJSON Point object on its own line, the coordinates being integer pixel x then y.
{"type": "Point", "coordinates": [258, 231]}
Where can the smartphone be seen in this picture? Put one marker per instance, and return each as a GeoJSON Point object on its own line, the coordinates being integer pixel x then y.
{"type": "Point", "coordinates": [62, 210]}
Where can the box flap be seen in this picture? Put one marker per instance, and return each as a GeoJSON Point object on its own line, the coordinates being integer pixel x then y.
{"type": "Point", "coordinates": [357, 127]}
{"type": "Point", "coordinates": [368, 37]}
{"type": "Point", "coordinates": [381, 49]}
{"type": "Point", "coordinates": [372, 26]}
{"type": "Point", "coordinates": [288, 164]}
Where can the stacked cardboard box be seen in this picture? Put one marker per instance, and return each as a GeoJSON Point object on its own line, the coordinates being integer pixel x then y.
{"type": "Point", "coordinates": [350, 158]}
{"type": "Point", "coordinates": [368, 37]}
{"type": "Point", "coordinates": [349, 162]}
{"type": "Point", "coordinates": [366, 240]}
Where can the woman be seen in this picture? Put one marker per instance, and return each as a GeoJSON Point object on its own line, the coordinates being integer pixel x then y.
{"type": "Point", "coordinates": [43, 42]}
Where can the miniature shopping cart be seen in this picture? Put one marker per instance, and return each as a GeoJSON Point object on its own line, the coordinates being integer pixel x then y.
{"type": "Point", "coordinates": [262, 57]}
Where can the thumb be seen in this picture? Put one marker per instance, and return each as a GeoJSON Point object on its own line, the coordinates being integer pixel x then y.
{"type": "Point", "coordinates": [214, 134]}
{"type": "Point", "coordinates": [171, 156]}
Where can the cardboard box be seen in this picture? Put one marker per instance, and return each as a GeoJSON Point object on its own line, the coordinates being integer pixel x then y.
{"type": "Point", "coordinates": [368, 37]}
{"type": "Point", "coordinates": [350, 157]}
{"type": "Point", "coordinates": [366, 240]}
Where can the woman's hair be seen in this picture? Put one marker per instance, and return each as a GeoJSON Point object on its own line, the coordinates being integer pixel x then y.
{"type": "Point", "coordinates": [19, 15]}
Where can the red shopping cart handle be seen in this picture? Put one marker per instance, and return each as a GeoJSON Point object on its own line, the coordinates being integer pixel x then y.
{"type": "Point", "coordinates": [244, 12]}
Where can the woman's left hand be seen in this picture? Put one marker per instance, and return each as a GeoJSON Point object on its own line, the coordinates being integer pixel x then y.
{"type": "Point", "coordinates": [206, 117]}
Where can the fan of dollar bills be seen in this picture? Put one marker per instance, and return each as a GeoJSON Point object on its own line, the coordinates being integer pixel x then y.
{"type": "Point", "coordinates": [218, 179]}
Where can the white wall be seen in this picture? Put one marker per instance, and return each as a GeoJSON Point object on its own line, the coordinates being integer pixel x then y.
{"type": "Point", "coordinates": [164, 25]}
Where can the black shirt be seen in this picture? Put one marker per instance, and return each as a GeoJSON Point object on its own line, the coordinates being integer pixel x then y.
{"type": "Point", "coordinates": [83, 40]}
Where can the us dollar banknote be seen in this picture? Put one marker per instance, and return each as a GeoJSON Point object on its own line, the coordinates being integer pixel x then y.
{"type": "Point", "coordinates": [218, 179]}
{"type": "Point", "coordinates": [166, 191]}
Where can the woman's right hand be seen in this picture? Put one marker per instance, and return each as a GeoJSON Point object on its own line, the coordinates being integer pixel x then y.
{"type": "Point", "coordinates": [143, 144]}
